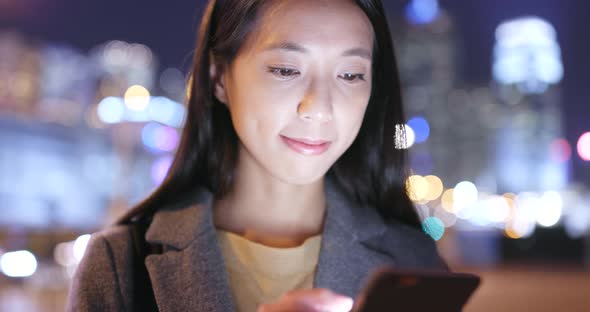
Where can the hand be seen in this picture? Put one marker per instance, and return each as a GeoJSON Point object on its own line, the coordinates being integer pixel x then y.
{"type": "Point", "coordinates": [309, 300]}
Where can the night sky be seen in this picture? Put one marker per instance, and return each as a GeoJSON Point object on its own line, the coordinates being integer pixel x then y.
{"type": "Point", "coordinates": [169, 28]}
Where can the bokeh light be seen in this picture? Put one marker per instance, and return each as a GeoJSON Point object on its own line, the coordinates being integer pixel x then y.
{"type": "Point", "coordinates": [410, 136]}
{"type": "Point", "coordinates": [111, 110]}
{"type": "Point", "coordinates": [527, 53]}
{"type": "Point", "coordinates": [449, 219]}
{"type": "Point", "coordinates": [79, 247]}
{"type": "Point", "coordinates": [20, 263]}
{"type": "Point", "coordinates": [160, 168]}
{"type": "Point", "coordinates": [166, 111]}
{"type": "Point", "coordinates": [417, 187]}
{"type": "Point", "coordinates": [159, 108]}
{"type": "Point", "coordinates": [435, 187]}
{"type": "Point", "coordinates": [510, 199]}
{"type": "Point", "coordinates": [446, 201]}
{"type": "Point", "coordinates": [464, 194]}
{"type": "Point", "coordinates": [137, 98]}
{"type": "Point", "coordinates": [550, 210]}
{"type": "Point", "coordinates": [519, 228]}
{"type": "Point", "coordinates": [63, 254]}
{"type": "Point", "coordinates": [434, 227]}
{"type": "Point", "coordinates": [422, 11]}
{"type": "Point", "coordinates": [159, 137]}
{"type": "Point", "coordinates": [421, 129]}
{"type": "Point", "coordinates": [584, 146]}
{"type": "Point", "coordinates": [522, 223]}
{"type": "Point", "coordinates": [497, 209]}
{"type": "Point", "coordinates": [577, 220]}
{"type": "Point", "coordinates": [561, 151]}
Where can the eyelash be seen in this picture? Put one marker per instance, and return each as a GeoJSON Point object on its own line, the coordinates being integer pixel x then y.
{"type": "Point", "coordinates": [274, 71]}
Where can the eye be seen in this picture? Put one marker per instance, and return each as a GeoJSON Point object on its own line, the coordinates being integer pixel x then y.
{"type": "Point", "coordinates": [353, 77]}
{"type": "Point", "coordinates": [283, 72]}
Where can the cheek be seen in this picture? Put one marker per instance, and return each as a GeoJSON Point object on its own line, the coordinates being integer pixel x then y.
{"type": "Point", "coordinates": [350, 117]}
{"type": "Point", "coordinates": [256, 109]}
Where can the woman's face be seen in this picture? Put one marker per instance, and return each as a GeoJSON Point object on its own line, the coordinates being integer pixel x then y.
{"type": "Point", "coordinates": [305, 73]}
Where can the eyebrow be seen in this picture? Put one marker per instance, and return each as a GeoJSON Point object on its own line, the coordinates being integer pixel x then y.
{"type": "Point", "coordinates": [294, 47]}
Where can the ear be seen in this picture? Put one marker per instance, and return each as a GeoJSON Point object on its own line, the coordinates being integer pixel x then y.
{"type": "Point", "coordinates": [217, 75]}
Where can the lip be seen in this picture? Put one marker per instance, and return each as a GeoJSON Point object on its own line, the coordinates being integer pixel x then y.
{"type": "Point", "coordinates": [306, 146]}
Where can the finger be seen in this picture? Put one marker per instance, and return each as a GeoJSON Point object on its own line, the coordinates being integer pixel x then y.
{"type": "Point", "coordinates": [337, 303]}
{"type": "Point", "coordinates": [290, 305]}
{"type": "Point", "coordinates": [312, 300]}
{"type": "Point", "coordinates": [323, 299]}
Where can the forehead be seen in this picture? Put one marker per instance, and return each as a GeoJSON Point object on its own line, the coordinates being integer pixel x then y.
{"type": "Point", "coordinates": [316, 24]}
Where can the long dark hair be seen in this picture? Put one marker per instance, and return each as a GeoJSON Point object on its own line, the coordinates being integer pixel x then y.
{"type": "Point", "coordinates": [373, 170]}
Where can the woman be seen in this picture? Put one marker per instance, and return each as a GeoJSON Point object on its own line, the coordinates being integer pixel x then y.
{"type": "Point", "coordinates": [287, 189]}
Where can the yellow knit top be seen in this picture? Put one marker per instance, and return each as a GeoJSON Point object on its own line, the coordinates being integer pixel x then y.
{"type": "Point", "coordinates": [260, 274]}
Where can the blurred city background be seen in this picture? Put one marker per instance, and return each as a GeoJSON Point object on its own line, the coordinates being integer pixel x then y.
{"type": "Point", "coordinates": [92, 102]}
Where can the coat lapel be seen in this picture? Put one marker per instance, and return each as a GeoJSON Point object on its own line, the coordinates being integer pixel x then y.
{"type": "Point", "coordinates": [348, 253]}
{"type": "Point", "coordinates": [190, 274]}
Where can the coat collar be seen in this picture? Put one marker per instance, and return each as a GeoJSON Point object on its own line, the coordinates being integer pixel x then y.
{"type": "Point", "coordinates": [190, 274]}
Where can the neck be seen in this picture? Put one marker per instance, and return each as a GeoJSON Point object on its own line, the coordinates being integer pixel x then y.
{"type": "Point", "coordinates": [266, 210]}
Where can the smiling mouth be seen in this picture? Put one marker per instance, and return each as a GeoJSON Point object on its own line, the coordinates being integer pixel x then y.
{"type": "Point", "coordinates": [306, 146]}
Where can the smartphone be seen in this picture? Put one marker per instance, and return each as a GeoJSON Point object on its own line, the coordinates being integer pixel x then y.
{"type": "Point", "coordinates": [390, 289]}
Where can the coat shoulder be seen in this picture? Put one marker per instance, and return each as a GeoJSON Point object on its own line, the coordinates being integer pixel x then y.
{"type": "Point", "coordinates": [410, 247]}
{"type": "Point", "coordinates": [102, 280]}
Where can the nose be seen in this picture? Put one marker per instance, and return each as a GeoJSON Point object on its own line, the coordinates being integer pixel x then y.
{"type": "Point", "coordinates": [317, 103]}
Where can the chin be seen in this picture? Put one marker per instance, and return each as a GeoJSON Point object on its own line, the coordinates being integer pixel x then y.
{"type": "Point", "coordinates": [301, 177]}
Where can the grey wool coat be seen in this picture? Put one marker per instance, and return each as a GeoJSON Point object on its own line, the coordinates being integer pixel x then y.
{"type": "Point", "coordinates": [190, 274]}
